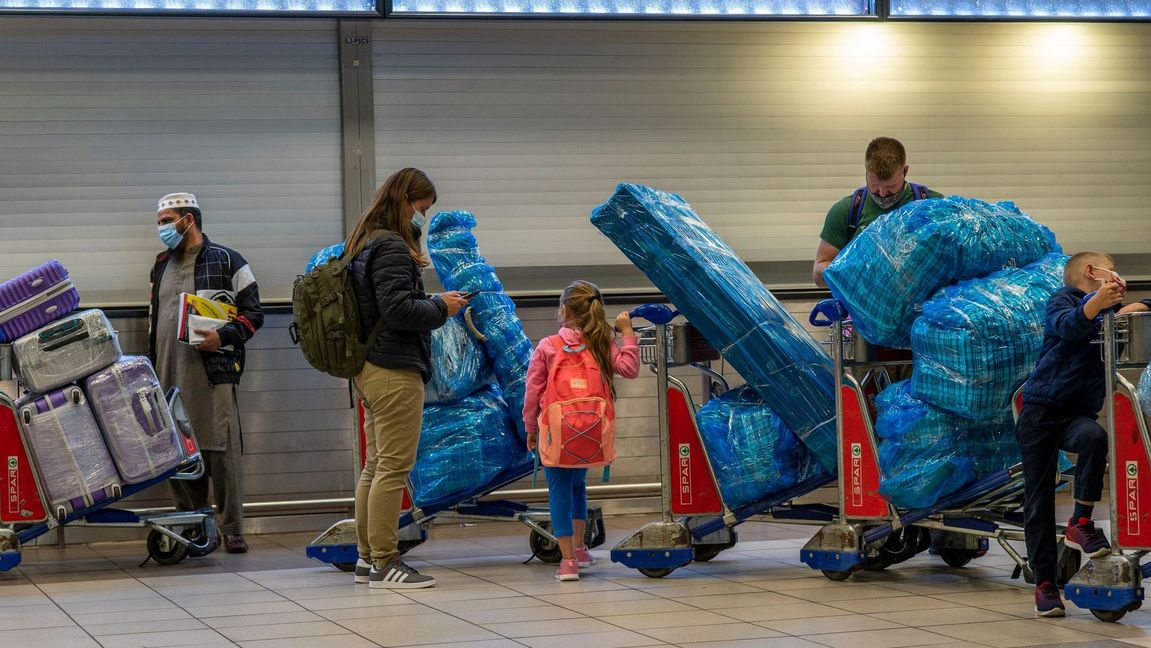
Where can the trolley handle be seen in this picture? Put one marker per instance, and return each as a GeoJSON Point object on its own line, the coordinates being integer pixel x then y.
{"type": "Point", "coordinates": [831, 310]}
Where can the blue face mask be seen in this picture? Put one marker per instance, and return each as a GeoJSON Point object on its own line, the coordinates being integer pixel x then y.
{"type": "Point", "coordinates": [170, 236]}
{"type": "Point", "coordinates": [418, 220]}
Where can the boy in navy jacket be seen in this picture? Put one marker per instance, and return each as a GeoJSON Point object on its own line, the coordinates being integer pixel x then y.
{"type": "Point", "coordinates": [1061, 402]}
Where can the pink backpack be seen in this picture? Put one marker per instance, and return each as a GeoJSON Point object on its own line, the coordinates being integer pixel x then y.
{"type": "Point", "coordinates": [577, 418]}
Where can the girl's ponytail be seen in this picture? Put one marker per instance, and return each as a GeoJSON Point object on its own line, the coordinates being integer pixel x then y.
{"type": "Point", "coordinates": [585, 310]}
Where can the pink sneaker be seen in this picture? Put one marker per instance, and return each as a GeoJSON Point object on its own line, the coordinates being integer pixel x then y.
{"type": "Point", "coordinates": [568, 571]}
{"type": "Point", "coordinates": [584, 557]}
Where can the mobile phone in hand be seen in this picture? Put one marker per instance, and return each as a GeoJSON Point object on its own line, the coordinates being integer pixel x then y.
{"type": "Point", "coordinates": [469, 295]}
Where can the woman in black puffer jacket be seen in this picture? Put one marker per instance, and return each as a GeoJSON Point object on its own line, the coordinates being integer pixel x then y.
{"type": "Point", "coordinates": [388, 264]}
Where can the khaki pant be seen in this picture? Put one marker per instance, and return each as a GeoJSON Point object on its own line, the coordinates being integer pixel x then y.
{"type": "Point", "coordinates": [393, 409]}
{"type": "Point", "coordinates": [225, 470]}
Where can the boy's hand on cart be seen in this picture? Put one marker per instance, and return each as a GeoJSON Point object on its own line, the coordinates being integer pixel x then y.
{"type": "Point", "coordinates": [1109, 295]}
{"type": "Point", "coordinates": [211, 342]}
{"type": "Point", "coordinates": [1137, 307]}
{"type": "Point", "coordinates": [623, 323]}
{"type": "Point", "coordinates": [533, 440]}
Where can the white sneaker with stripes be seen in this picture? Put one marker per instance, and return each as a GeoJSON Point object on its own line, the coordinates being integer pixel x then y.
{"type": "Point", "coordinates": [397, 575]}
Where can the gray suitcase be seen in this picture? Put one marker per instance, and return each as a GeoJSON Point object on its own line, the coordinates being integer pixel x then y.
{"type": "Point", "coordinates": [76, 471]}
{"type": "Point", "coordinates": [135, 418]}
{"type": "Point", "coordinates": [65, 351]}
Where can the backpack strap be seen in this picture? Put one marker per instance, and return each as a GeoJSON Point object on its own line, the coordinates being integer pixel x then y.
{"type": "Point", "coordinates": [918, 191]}
{"type": "Point", "coordinates": [856, 211]}
{"type": "Point", "coordinates": [347, 263]}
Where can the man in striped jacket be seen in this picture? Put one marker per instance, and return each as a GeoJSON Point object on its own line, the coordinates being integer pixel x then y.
{"type": "Point", "coordinates": [208, 372]}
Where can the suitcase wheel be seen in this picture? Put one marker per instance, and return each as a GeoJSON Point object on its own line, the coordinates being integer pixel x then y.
{"type": "Point", "coordinates": [61, 513]}
{"type": "Point", "coordinates": [76, 396]}
{"type": "Point", "coordinates": [26, 414]}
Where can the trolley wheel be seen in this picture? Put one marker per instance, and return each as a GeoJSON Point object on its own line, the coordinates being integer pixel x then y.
{"type": "Point", "coordinates": [1069, 565]}
{"type": "Point", "coordinates": [1110, 616]}
{"type": "Point", "coordinates": [170, 555]}
{"type": "Point", "coordinates": [345, 567]}
{"type": "Point", "coordinates": [704, 553]}
{"type": "Point", "coordinates": [653, 572]}
{"type": "Point", "coordinates": [405, 546]}
{"type": "Point", "coordinates": [195, 534]}
{"type": "Point", "coordinates": [957, 557]}
{"type": "Point", "coordinates": [544, 547]}
{"type": "Point", "coordinates": [837, 576]}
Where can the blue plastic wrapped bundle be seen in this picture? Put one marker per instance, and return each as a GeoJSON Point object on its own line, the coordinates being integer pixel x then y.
{"type": "Point", "coordinates": [752, 451]}
{"type": "Point", "coordinates": [1144, 391]}
{"type": "Point", "coordinates": [976, 341]}
{"type": "Point", "coordinates": [901, 259]}
{"type": "Point", "coordinates": [729, 305]}
{"type": "Point", "coordinates": [459, 265]}
{"type": "Point", "coordinates": [463, 446]}
{"type": "Point", "coordinates": [926, 454]}
{"type": "Point", "coordinates": [323, 256]}
{"type": "Point", "coordinates": [459, 365]}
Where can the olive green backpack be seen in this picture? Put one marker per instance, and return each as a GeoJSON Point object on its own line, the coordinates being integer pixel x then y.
{"type": "Point", "coordinates": [327, 326]}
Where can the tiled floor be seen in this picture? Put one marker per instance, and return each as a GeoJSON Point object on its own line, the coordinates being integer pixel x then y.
{"type": "Point", "coordinates": [755, 595]}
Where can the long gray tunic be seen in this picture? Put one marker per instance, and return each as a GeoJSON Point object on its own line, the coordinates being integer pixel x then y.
{"type": "Point", "coordinates": [179, 364]}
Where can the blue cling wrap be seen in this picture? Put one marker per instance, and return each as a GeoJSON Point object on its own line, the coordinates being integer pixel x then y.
{"type": "Point", "coordinates": [323, 256]}
{"type": "Point", "coordinates": [1144, 391]}
{"type": "Point", "coordinates": [729, 305]}
{"type": "Point", "coordinates": [901, 259]}
{"type": "Point", "coordinates": [751, 450]}
{"type": "Point", "coordinates": [460, 266]}
{"type": "Point", "coordinates": [926, 454]}
{"type": "Point", "coordinates": [459, 365]}
{"type": "Point", "coordinates": [463, 446]}
{"type": "Point", "coordinates": [976, 341]}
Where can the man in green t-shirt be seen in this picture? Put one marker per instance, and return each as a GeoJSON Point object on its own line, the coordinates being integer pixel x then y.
{"type": "Point", "coordinates": [887, 189]}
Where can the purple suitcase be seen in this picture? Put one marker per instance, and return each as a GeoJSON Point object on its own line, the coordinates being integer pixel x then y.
{"type": "Point", "coordinates": [35, 299]}
{"type": "Point", "coordinates": [75, 468]}
{"type": "Point", "coordinates": [134, 416]}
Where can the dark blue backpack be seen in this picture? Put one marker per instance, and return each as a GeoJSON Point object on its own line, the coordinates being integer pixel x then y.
{"type": "Point", "coordinates": [918, 192]}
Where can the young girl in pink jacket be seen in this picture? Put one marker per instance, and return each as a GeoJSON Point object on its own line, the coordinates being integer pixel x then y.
{"type": "Point", "coordinates": [584, 329]}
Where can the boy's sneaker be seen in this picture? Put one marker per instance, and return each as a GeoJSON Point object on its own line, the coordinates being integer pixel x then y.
{"type": "Point", "coordinates": [584, 557]}
{"type": "Point", "coordinates": [568, 571]}
{"type": "Point", "coordinates": [363, 570]}
{"type": "Point", "coordinates": [397, 575]}
{"type": "Point", "coordinates": [1086, 537]}
{"type": "Point", "coordinates": [1048, 602]}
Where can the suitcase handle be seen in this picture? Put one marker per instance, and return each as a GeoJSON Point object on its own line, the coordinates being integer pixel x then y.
{"type": "Point", "coordinates": [63, 335]}
{"type": "Point", "coordinates": [150, 405]}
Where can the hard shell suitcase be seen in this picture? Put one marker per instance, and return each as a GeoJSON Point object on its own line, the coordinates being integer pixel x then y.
{"type": "Point", "coordinates": [23, 502]}
{"type": "Point", "coordinates": [34, 299]}
{"type": "Point", "coordinates": [66, 351]}
{"type": "Point", "coordinates": [76, 471]}
{"type": "Point", "coordinates": [134, 416]}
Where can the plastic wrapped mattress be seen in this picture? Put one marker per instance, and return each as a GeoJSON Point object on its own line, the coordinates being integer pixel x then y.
{"type": "Point", "coordinates": [722, 297]}
{"type": "Point", "coordinates": [463, 446]}
{"type": "Point", "coordinates": [901, 259]}
{"type": "Point", "coordinates": [751, 450]}
{"type": "Point", "coordinates": [1144, 391]}
{"type": "Point", "coordinates": [459, 366]}
{"type": "Point", "coordinates": [926, 454]}
{"type": "Point", "coordinates": [323, 256]}
{"type": "Point", "coordinates": [460, 266]}
{"type": "Point", "coordinates": [976, 341]}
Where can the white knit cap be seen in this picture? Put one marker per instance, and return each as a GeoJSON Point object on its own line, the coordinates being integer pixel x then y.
{"type": "Point", "coordinates": [176, 201]}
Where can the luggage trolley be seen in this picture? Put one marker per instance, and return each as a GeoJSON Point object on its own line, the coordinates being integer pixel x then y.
{"type": "Point", "coordinates": [697, 524]}
{"type": "Point", "coordinates": [172, 536]}
{"type": "Point", "coordinates": [1112, 585]}
{"type": "Point", "coordinates": [337, 544]}
{"type": "Point", "coordinates": [870, 533]}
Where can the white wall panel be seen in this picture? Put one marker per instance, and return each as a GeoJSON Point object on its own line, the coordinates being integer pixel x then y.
{"type": "Point", "coordinates": [99, 117]}
{"type": "Point", "coordinates": [762, 126]}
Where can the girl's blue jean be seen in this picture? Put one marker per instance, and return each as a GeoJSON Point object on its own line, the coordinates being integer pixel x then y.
{"type": "Point", "coordinates": [567, 498]}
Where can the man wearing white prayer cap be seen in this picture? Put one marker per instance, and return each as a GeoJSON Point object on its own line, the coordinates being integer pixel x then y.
{"type": "Point", "coordinates": [208, 372]}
